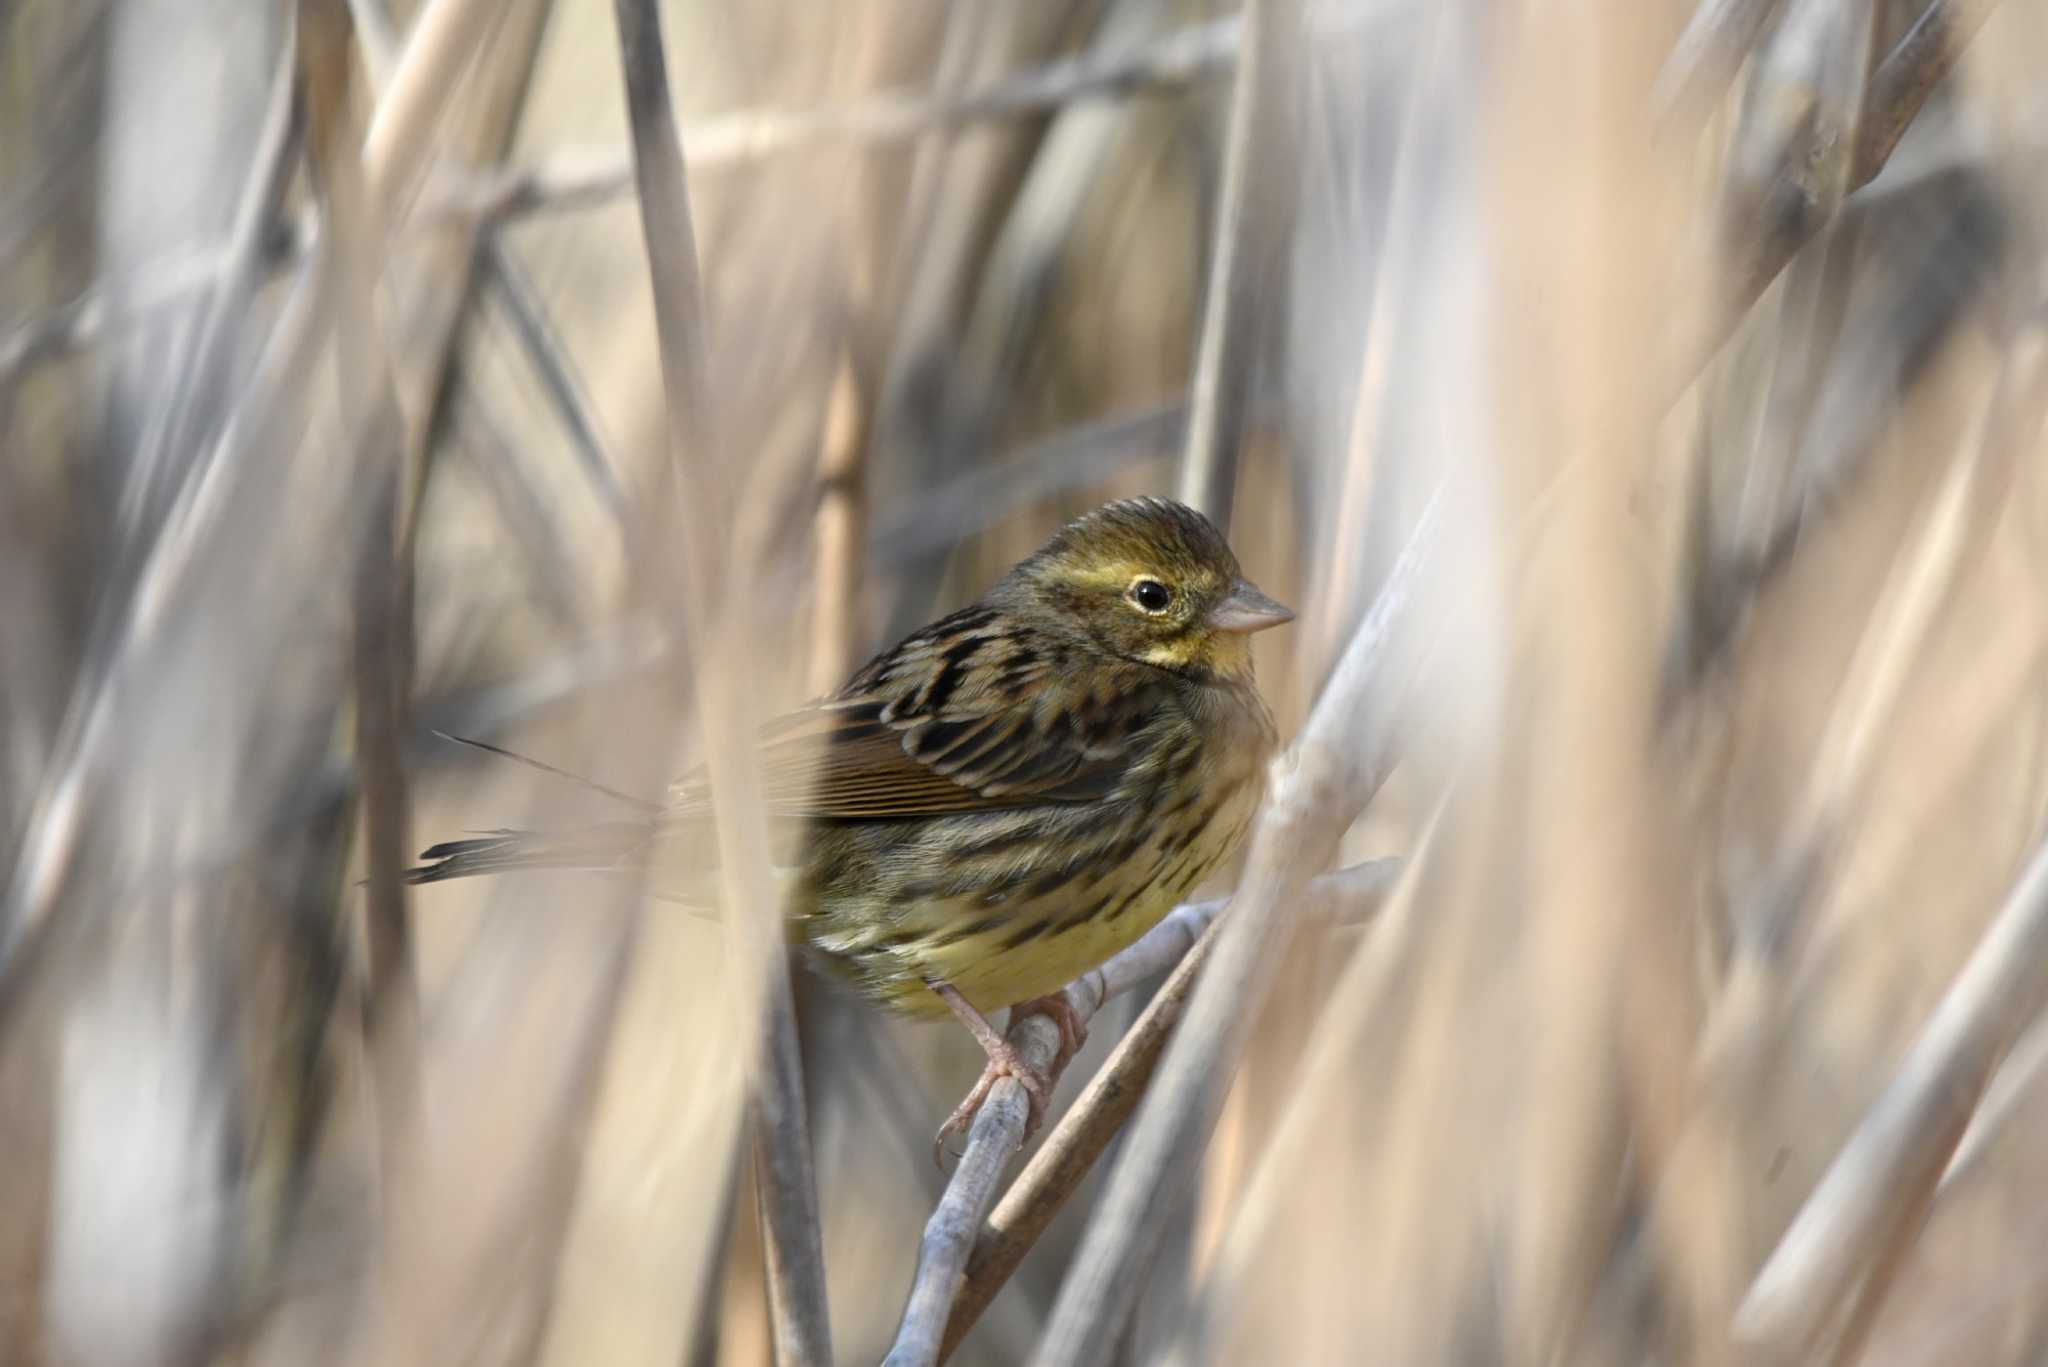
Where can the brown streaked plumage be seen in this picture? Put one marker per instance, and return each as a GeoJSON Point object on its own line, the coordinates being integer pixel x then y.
{"type": "Point", "coordinates": [1012, 794]}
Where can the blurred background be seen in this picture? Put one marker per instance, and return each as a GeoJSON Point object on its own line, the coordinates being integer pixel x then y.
{"type": "Point", "coordinates": [1689, 359]}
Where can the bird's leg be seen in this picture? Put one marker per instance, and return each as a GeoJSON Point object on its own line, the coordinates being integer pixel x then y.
{"type": "Point", "coordinates": [1004, 1060]}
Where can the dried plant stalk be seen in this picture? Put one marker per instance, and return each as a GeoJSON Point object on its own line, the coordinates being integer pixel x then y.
{"type": "Point", "coordinates": [693, 488]}
{"type": "Point", "coordinates": [1318, 787]}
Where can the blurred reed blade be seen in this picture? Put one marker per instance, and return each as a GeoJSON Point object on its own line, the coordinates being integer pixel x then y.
{"type": "Point", "coordinates": [134, 300]}
{"type": "Point", "coordinates": [781, 1144]}
{"type": "Point", "coordinates": [1332, 771]}
{"type": "Point", "coordinates": [738, 139]}
{"type": "Point", "coordinates": [491, 710]}
{"type": "Point", "coordinates": [505, 279]}
{"type": "Point", "coordinates": [522, 504]}
{"type": "Point", "coordinates": [1358, 1006]}
{"type": "Point", "coordinates": [1910, 72]}
{"type": "Point", "coordinates": [1877, 1192]}
{"type": "Point", "coordinates": [1811, 109]}
{"type": "Point", "coordinates": [1716, 41]}
{"type": "Point", "coordinates": [725, 140]}
{"type": "Point", "coordinates": [186, 422]}
{"type": "Point", "coordinates": [1085, 1133]}
{"type": "Point", "coordinates": [1930, 251]}
{"type": "Point", "coordinates": [1018, 286]}
{"type": "Point", "coordinates": [980, 497]}
{"type": "Point", "coordinates": [938, 397]}
{"type": "Point", "coordinates": [270, 417]}
{"type": "Point", "coordinates": [1178, 943]}
{"type": "Point", "coordinates": [543, 348]}
{"type": "Point", "coordinates": [1793, 159]}
{"type": "Point", "coordinates": [1253, 221]}
{"type": "Point", "coordinates": [373, 445]}
{"type": "Point", "coordinates": [1949, 534]}
{"type": "Point", "coordinates": [893, 116]}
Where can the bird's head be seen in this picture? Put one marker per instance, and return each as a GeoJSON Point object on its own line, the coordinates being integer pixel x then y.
{"type": "Point", "coordinates": [1153, 581]}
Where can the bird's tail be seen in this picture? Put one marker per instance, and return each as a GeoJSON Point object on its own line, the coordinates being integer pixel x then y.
{"type": "Point", "coordinates": [614, 846]}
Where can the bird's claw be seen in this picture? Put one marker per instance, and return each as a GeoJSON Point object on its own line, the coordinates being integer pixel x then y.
{"type": "Point", "coordinates": [1004, 1061]}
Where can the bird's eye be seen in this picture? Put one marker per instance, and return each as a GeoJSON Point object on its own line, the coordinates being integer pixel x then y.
{"type": "Point", "coordinates": [1151, 596]}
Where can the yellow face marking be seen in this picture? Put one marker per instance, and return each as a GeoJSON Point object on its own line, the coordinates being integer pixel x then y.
{"type": "Point", "coordinates": [1113, 574]}
{"type": "Point", "coordinates": [1177, 653]}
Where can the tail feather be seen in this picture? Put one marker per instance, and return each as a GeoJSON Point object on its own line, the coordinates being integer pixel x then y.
{"type": "Point", "coordinates": [617, 845]}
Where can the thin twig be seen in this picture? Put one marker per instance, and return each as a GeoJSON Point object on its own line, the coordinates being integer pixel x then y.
{"type": "Point", "coordinates": [1253, 215]}
{"type": "Point", "coordinates": [1890, 1166]}
{"type": "Point", "coordinates": [1084, 1133]}
{"type": "Point", "coordinates": [782, 1159]}
{"type": "Point", "coordinates": [1319, 786]}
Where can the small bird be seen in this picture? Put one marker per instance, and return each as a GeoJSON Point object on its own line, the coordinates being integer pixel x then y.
{"type": "Point", "coordinates": [1006, 798]}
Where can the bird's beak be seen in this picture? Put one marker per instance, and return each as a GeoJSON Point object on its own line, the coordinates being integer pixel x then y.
{"type": "Point", "coordinates": [1247, 610]}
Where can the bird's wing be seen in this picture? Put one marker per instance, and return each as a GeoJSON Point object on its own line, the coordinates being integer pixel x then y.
{"type": "Point", "coordinates": [968, 715]}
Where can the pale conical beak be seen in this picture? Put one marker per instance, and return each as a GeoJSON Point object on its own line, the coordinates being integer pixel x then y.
{"type": "Point", "coordinates": [1247, 610]}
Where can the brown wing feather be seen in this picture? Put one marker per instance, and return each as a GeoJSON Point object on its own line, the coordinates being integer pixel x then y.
{"type": "Point", "coordinates": [958, 718]}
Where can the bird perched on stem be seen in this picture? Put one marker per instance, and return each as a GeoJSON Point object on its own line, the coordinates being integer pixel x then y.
{"type": "Point", "coordinates": [1006, 798]}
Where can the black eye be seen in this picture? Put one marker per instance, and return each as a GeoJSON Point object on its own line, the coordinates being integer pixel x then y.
{"type": "Point", "coordinates": [1151, 595]}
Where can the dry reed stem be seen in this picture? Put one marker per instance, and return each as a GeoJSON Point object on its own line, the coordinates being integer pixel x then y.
{"type": "Point", "coordinates": [535, 333]}
{"type": "Point", "coordinates": [751, 135]}
{"type": "Point", "coordinates": [694, 495]}
{"type": "Point", "coordinates": [732, 139]}
{"type": "Point", "coordinates": [445, 36]}
{"type": "Point", "coordinates": [979, 497]}
{"type": "Point", "coordinates": [836, 609]}
{"type": "Point", "coordinates": [200, 392]}
{"type": "Point", "coordinates": [1084, 1133]}
{"type": "Point", "coordinates": [506, 280]}
{"type": "Point", "coordinates": [1254, 214]}
{"type": "Point", "coordinates": [1577, 181]}
{"type": "Point", "coordinates": [271, 418]}
{"type": "Point", "coordinates": [748, 136]}
{"type": "Point", "coordinates": [1917, 63]}
{"type": "Point", "coordinates": [1395, 302]}
{"type": "Point", "coordinates": [1918, 589]}
{"type": "Point", "coordinates": [1357, 1003]}
{"type": "Point", "coordinates": [1716, 41]}
{"type": "Point", "coordinates": [1317, 789]}
{"type": "Point", "coordinates": [1876, 1191]}
{"type": "Point", "coordinates": [371, 426]}
{"type": "Point", "coordinates": [1896, 92]}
